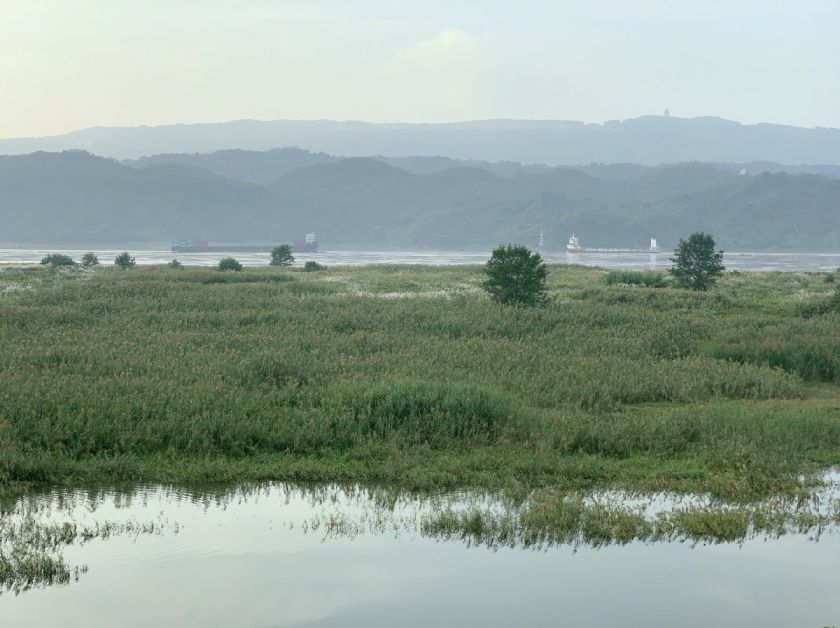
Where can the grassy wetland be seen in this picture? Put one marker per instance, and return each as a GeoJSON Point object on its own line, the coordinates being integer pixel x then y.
{"type": "Point", "coordinates": [411, 379]}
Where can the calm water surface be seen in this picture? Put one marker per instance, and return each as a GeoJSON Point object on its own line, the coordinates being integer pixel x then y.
{"type": "Point", "coordinates": [733, 261]}
{"type": "Point", "coordinates": [281, 556]}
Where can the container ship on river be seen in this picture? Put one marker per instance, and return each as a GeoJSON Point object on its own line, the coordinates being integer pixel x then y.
{"type": "Point", "coordinates": [574, 246]}
{"type": "Point", "coordinates": [308, 245]}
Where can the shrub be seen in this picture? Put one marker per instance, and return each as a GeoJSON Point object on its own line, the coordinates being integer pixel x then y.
{"type": "Point", "coordinates": [89, 260]}
{"type": "Point", "coordinates": [124, 261]}
{"type": "Point", "coordinates": [282, 256]}
{"type": "Point", "coordinates": [230, 263]}
{"type": "Point", "coordinates": [57, 260]}
{"type": "Point", "coordinates": [645, 278]}
{"type": "Point", "coordinates": [515, 276]}
{"type": "Point", "coordinates": [313, 266]}
{"type": "Point", "coordinates": [696, 263]}
{"type": "Point", "coordinates": [175, 264]}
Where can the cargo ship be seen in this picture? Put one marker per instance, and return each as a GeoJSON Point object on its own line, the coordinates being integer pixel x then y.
{"type": "Point", "coordinates": [574, 246]}
{"type": "Point", "coordinates": [308, 245]}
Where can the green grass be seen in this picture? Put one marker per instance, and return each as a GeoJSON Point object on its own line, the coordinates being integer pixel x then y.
{"type": "Point", "coordinates": [411, 378]}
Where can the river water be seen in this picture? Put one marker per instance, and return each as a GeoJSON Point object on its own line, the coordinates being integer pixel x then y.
{"type": "Point", "coordinates": [284, 556]}
{"type": "Point", "coordinates": [814, 262]}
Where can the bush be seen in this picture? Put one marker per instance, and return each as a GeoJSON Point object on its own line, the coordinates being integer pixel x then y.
{"type": "Point", "coordinates": [313, 266]}
{"type": "Point", "coordinates": [175, 264]}
{"type": "Point", "coordinates": [515, 276]}
{"type": "Point", "coordinates": [230, 263]}
{"type": "Point", "coordinates": [696, 263]}
{"type": "Point", "coordinates": [124, 261]}
{"type": "Point", "coordinates": [57, 260]}
{"type": "Point", "coordinates": [645, 278]}
{"type": "Point", "coordinates": [282, 256]}
{"type": "Point", "coordinates": [89, 260]}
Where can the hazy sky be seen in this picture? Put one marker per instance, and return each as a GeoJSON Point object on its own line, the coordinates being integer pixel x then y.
{"type": "Point", "coordinates": [68, 64]}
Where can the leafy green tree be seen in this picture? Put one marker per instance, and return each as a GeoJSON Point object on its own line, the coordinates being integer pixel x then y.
{"type": "Point", "coordinates": [515, 276]}
{"type": "Point", "coordinates": [57, 260]}
{"type": "Point", "coordinates": [313, 266]}
{"type": "Point", "coordinates": [282, 256]}
{"type": "Point", "coordinates": [175, 264]}
{"type": "Point", "coordinates": [230, 263]}
{"type": "Point", "coordinates": [124, 261]}
{"type": "Point", "coordinates": [89, 260]}
{"type": "Point", "coordinates": [696, 263]}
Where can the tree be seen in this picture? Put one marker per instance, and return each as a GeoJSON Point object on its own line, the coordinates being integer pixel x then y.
{"type": "Point", "coordinates": [282, 256]}
{"type": "Point", "coordinates": [696, 263]}
{"type": "Point", "coordinates": [124, 261]}
{"type": "Point", "coordinates": [515, 276]}
{"type": "Point", "coordinates": [230, 263]}
{"type": "Point", "coordinates": [175, 264]}
{"type": "Point", "coordinates": [89, 260]}
{"type": "Point", "coordinates": [57, 260]}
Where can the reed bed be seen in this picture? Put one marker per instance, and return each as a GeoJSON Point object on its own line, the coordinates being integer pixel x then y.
{"type": "Point", "coordinates": [161, 374]}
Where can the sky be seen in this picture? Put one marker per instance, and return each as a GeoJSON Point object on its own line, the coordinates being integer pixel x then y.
{"type": "Point", "coordinates": [70, 64]}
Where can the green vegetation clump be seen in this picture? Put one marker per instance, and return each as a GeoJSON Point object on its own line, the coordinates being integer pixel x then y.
{"type": "Point", "coordinates": [175, 264]}
{"type": "Point", "coordinates": [643, 278]}
{"type": "Point", "coordinates": [411, 378]}
{"type": "Point", "coordinates": [515, 276]}
{"type": "Point", "coordinates": [282, 256]}
{"type": "Point", "coordinates": [124, 261]}
{"type": "Point", "coordinates": [229, 263]}
{"type": "Point", "coordinates": [57, 260]}
{"type": "Point", "coordinates": [89, 260]}
{"type": "Point", "coordinates": [313, 266]}
{"type": "Point", "coordinates": [697, 265]}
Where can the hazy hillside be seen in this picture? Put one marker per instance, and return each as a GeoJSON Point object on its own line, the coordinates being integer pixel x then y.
{"type": "Point", "coordinates": [75, 197]}
{"type": "Point", "coordinates": [648, 140]}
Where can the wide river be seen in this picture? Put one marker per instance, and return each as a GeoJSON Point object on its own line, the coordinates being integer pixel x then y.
{"type": "Point", "coordinates": [280, 555]}
{"type": "Point", "coordinates": [734, 261]}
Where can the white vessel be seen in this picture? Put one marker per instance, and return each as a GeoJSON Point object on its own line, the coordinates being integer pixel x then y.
{"type": "Point", "coordinates": [574, 246]}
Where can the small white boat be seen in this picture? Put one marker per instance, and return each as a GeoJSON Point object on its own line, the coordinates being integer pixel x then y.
{"type": "Point", "coordinates": [573, 244]}
{"type": "Point", "coordinates": [653, 246]}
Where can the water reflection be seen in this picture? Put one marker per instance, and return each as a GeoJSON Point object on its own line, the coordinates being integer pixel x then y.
{"type": "Point", "coordinates": [285, 555]}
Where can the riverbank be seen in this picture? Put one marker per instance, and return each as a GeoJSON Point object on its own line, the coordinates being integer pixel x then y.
{"type": "Point", "coordinates": [411, 378]}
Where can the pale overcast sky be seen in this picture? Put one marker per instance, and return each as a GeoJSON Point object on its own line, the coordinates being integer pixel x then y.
{"type": "Point", "coordinates": [68, 64]}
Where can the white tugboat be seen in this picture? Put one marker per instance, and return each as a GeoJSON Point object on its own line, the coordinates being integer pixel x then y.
{"type": "Point", "coordinates": [653, 246]}
{"type": "Point", "coordinates": [573, 245]}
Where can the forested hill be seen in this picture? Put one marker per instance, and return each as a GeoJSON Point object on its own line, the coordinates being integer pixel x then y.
{"type": "Point", "coordinates": [74, 197]}
{"type": "Point", "coordinates": [647, 140]}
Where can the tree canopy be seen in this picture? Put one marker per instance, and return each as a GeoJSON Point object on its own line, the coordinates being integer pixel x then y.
{"type": "Point", "coordinates": [697, 264]}
{"type": "Point", "coordinates": [282, 256]}
{"type": "Point", "coordinates": [515, 276]}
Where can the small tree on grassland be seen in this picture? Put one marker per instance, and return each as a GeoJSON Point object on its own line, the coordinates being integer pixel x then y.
{"type": "Point", "coordinates": [89, 260]}
{"type": "Point", "coordinates": [230, 263]}
{"type": "Point", "coordinates": [313, 266]}
{"type": "Point", "coordinates": [696, 263]}
{"type": "Point", "coordinates": [124, 261]}
{"type": "Point", "coordinates": [515, 276]}
{"type": "Point", "coordinates": [282, 256]}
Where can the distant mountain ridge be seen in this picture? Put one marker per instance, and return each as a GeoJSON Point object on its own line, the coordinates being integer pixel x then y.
{"type": "Point", "coordinates": [648, 140]}
{"type": "Point", "coordinates": [75, 197]}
